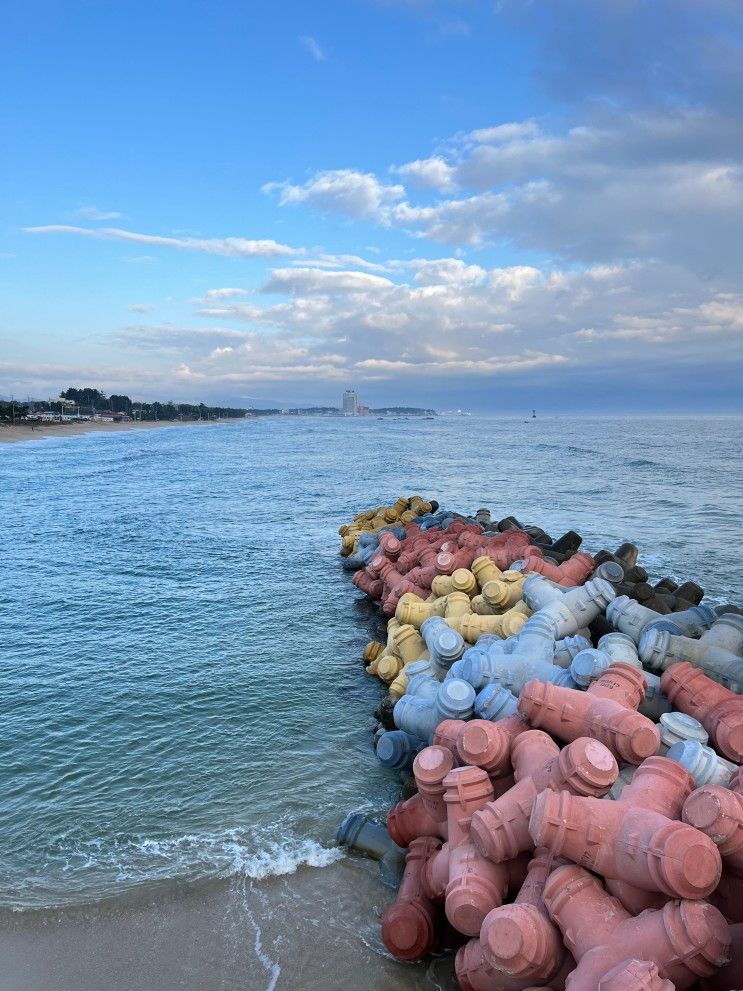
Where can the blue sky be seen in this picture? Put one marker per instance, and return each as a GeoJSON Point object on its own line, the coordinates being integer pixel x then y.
{"type": "Point", "coordinates": [451, 203]}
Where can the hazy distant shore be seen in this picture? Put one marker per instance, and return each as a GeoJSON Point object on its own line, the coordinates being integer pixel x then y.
{"type": "Point", "coordinates": [10, 433]}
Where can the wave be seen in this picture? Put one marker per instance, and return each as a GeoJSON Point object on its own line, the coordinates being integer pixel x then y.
{"type": "Point", "coordinates": [96, 869]}
{"type": "Point", "coordinates": [280, 859]}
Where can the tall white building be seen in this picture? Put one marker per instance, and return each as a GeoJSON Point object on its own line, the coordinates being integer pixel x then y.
{"type": "Point", "coordinates": [349, 403]}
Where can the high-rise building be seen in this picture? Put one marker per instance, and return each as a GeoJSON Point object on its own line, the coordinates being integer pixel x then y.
{"type": "Point", "coordinates": [349, 403]}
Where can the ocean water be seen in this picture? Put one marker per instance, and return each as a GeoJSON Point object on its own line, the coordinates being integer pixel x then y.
{"type": "Point", "coordinates": [185, 717]}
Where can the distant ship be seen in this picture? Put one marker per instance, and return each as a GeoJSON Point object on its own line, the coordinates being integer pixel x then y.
{"type": "Point", "coordinates": [533, 414]}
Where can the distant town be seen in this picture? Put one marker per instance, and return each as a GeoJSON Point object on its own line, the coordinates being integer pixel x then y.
{"type": "Point", "coordinates": [76, 405]}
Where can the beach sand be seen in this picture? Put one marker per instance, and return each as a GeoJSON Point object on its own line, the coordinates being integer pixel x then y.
{"type": "Point", "coordinates": [316, 930]}
{"type": "Point", "coordinates": [12, 433]}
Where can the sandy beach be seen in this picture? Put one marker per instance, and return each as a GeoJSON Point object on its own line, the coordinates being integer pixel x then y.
{"type": "Point", "coordinates": [13, 433]}
{"type": "Point", "coordinates": [310, 931]}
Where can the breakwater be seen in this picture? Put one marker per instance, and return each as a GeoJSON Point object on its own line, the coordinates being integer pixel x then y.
{"type": "Point", "coordinates": [569, 738]}
{"type": "Point", "coordinates": [140, 658]}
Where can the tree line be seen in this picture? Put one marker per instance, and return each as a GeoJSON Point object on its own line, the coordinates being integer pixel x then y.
{"type": "Point", "coordinates": [94, 401]}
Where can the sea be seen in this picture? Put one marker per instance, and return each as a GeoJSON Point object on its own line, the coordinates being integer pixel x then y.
{"type": "Point", "coordinates": [185, 715]}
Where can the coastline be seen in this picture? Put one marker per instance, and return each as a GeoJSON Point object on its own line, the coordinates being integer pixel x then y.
{"type": "Point", "coordinates": [225, 934]}
{"type": "Point", "coordinates": [13, 434]}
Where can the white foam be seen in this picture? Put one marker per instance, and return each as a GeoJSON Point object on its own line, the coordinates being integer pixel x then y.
{"type": "Point", "coordinates": [273, 968]}
{"type": "Point", "coordinates": [254, 854]}
{"type": "Point", "coordinates": [278, 859]}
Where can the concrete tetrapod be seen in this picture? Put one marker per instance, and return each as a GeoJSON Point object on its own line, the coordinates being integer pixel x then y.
{"type": "Point", "coordinates": [568, 612]}
{"type": "Point", "coordinates": [606, 712]}
{"type": "Point", "coordinates": [633, 619]}
{"type": "Point", "coordinates": [447, 735]}
{"type": "Point", "coordinates": [500, 830]}
{"type": "Point", "coordinates": [704, 765]}
{"type": "Point", "coordinates": [612, 648]}
{"type": "Point", "coordinates": [730, 977]}
{"type": "Point", "coordinates": [719, 710]}
{"type": "Point", "coordinates": [675, 728]}
{"type": "Point", "coordinates": [425, 813]}
{"type": "Point", "coordinates": [358, 833]}
{"type": "Point", "coordinates": [409, 928]}
{"type": "Point", "coordinates": [718, 812]}
{"type": "Point", "coordinates": [512, 671]}
{"type": "Point", "coordinates": [414, 610]}
{"type": "Point", "coordinates": [472, 626]}
{"type": "Point", "coordinates": [692, 622]}
{"type": "Point", "coordinates": [634, 975]}
{"type": "Point", "coordinates": [397, 750]}
{"type": "Point", "coordinates": [474, 973]}
{"type": "Point", "coordinates": [410, 820]}
{"type": "Point", "coordinates": [494, 702]}
{"type": "Point", "coordinates": [568, 647]}
{"type": "Point", "coordinates": [628, 842]}
{"type": "Point", "coordinates": [572, 572]}
{"type": "Point", "coordinates": [716, 653]}
{"type": "Point", "coordinates": [445, 645]}
{"type": "Point", "coordinates": [620, 647]}
{"type": "Point", "coordinates": [475, 885]}
{"type": "Point", "coordinates": [488, 745]}
{"type": "Point", "coordinates": [655, 702]}
{"type": "Point", "coordinates": [659, 785]}
{"type": "Point", "coordinates": [485, 570]}
{"type": "Point", "coordinates": [430, 769]}
{"type": "Point", "coordinates": [685, 939]}
{"type": "Point", "coordinates": [520, 940]}
{"type": "Point", "coordinates": [504, 592]}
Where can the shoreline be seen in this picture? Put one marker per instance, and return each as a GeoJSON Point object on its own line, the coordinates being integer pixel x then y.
{"type": "Point", "coordinates": [14, 434]}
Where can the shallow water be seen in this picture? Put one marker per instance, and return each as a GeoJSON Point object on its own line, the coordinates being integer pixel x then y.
{"type": "Point", "coordinates": [185, 717]}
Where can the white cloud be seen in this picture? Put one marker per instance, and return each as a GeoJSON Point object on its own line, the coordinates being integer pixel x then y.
{"type": "Point", "coordinates": [439, 321]}
{"type": "Point", "coordinates": [231, 247]}
{"type": "Point", "coordinates": [313, 280]}
{"type": "Point", "coordinates": [344, 261]}
{"type": "Point", "coordinates": [226, 293]}
{"type": "Point", "coordinates": [140, 307]}
{"type": "Point", "coordinates": [171, 337]}
{"type": "Point", "coordinates": [345, 191]}
{"type": "Point", "coordinates": [446, 271]}
{"type": "Point", "coordinates": [429, 173]}
{"type": "Point", "coordinates": [93, 213]}
{"type": "Point", "coordinates": [505, 132]}
{"type": "Point", "coordinates": [313, 47]}
{"type": "Point", "coordinates": [664, 186]}
{"type": "Point", "coordinates": [723, 313]}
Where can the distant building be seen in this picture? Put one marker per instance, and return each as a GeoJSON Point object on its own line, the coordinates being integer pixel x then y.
{"type": "Point", "coordinates": [362, 410]}
{"type": "Point", "coordinates": [107, 416]}
{"type": "Point", "coordinates": [350, 403]}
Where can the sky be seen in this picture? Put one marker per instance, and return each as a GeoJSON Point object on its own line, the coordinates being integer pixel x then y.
{"type": "Point", "coordinates": [482, 204]}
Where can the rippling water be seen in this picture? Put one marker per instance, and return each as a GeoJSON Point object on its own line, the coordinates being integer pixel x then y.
{"type": "Point", "coordinates": [181, 695]}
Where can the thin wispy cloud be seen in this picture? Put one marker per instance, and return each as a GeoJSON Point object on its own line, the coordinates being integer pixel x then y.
{"type": "Point", "coordinates": [231, 247]}
{"type": "Point", "coordinates": [93, 213]}
{"type": "Point", "coordinates": [226, 292]}
{"type": "Point", "coordinates": [312, 45]}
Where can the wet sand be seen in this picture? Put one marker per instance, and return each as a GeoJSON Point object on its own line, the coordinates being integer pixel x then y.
{"type": "Point", "coordinates": [316, 930]}
{"type": "Point", "coordinates": [10, 433]}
